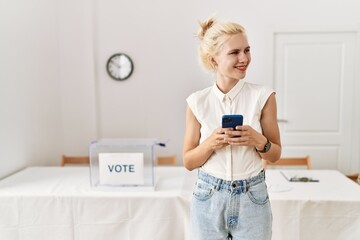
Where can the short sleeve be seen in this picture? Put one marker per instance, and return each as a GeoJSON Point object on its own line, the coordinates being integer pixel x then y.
{"type": "Point", "coordinates": [191, 101]}
{"type": "Point", "coordinates": [264, 96]}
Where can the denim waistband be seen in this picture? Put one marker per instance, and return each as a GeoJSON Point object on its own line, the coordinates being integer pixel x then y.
{"type": "Point", "coordinates": [219, 183]}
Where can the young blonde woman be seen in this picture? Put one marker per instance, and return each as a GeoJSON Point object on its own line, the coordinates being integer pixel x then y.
{"type": "Point", "coordinates": [230, 199]}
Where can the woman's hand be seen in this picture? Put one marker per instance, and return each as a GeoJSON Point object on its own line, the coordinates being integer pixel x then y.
{"type": "Point", "coordinates": [195, 154]}
{"type": "Point", "coordinates": [217, 139]}
{"type": "Point", "coordinates": [245, 136]}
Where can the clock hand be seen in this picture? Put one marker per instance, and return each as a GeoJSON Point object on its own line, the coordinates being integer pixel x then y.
{"type": "Point", "coordinates": [116, 63]}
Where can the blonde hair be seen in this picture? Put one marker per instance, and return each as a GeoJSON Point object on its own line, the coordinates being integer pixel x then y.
{"type": "Point", "coordinates": [212, 35]}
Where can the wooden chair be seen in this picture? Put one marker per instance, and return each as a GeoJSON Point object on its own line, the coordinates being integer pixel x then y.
{"type": "Point", "coordinates": [74, 160]}
{"type": "Point", "coordinates": [290, 161]}
{"type": "Point", "coordinates": [354, 177]}
{"type": "Point", "coordinates": [166, 160]}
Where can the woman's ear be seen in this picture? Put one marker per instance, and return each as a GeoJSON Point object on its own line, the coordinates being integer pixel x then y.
{"type": "Point", "coordinates": [212, 61]}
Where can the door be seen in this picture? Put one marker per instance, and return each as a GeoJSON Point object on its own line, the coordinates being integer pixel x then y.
{"type": "Point", "coordinates": [314, 74]}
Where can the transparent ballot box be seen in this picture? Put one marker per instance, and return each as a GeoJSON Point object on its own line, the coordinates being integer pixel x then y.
{"type": "Point", "coordinates": [122, 164]}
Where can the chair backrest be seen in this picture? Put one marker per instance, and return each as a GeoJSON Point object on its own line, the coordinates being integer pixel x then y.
{"type": "Point", "coordinates": [290, 161]}
{"type": "Point", "coordinates": [354, 177]}
{"type": "Point", "coordinates": [166, 160]}
{"type": "Point", "coordinates": [74, 160]}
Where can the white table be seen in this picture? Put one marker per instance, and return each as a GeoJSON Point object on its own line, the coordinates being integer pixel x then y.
{"type": "Point", "coordinates": [57, 204]}
{"type": "Point", "coordinates": [328, 209]}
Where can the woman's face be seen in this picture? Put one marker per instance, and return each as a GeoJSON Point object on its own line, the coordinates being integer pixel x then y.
{"type": "Point", "coordinates": [233, 58]}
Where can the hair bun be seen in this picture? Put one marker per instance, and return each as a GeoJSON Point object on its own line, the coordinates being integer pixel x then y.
{"type": "Point", "coordinates": [204, 26]}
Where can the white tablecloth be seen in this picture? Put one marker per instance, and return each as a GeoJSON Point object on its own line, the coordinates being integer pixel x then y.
{"type": "Point", "coordinates": [328, 209]}
{"type": "Point", "coordinates": [57, 204]}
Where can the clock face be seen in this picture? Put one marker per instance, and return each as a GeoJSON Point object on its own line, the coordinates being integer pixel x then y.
{"type": "Point", "coordinates": [119, 66]}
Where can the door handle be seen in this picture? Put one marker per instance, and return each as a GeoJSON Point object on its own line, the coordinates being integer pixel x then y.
{"type": "Point", "coordinates": [280, 120]}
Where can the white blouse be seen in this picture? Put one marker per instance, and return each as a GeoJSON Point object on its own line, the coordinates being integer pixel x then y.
{"type": "Point", "coordinates": [208, 106]}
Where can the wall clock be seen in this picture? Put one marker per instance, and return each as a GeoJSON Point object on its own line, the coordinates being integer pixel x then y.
{"type": "Point", "coordinates": [119, 66]}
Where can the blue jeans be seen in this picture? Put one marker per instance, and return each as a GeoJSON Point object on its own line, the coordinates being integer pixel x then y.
{"type": "Point", "coordinates": [235, 210]}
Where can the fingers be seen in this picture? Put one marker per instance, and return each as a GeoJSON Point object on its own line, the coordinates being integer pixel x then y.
{"type": "Point", "coordinates": [243, 128]}
{"type": "Point", "coordinates": [219, 131]}
{"type": "Point", "coordinates": [237, 132]}
{"type": "Point", "coordinates": [242, 136]}
{"type": "Point", "coordinates": [217, 140]}
{"type": "Point", "coordinates": [243, 131]}
{"type": "Point", "coordinates": [219, 143]}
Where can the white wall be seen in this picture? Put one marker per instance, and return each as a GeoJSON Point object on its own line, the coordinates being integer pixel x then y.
{"type": "Point", "coordinates": [77, 75]}
{"type": "Point", "coordinates": [30, 116]}
{"type": "Point", "coordinates": [158, 35]}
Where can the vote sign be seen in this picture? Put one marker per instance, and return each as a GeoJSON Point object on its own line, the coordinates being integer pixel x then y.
{"type": "Point", "coordinates": [121, 168]}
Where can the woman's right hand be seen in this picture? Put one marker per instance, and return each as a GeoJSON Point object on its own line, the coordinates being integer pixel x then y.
{"type": "Point", "coordinates": [195, 154]}
{"type": "Point", "coordinates": [217, 139]}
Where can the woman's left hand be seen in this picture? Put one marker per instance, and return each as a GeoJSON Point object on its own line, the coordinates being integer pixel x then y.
{"type": "Point", "coordinates": [245, 136]}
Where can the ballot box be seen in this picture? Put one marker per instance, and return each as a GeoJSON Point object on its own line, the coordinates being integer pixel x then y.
{"type": "Point", "coordinates": [122, 164]}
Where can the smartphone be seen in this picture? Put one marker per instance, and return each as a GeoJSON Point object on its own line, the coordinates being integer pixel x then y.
{"type": "Point", "coordinates": [232, 121]}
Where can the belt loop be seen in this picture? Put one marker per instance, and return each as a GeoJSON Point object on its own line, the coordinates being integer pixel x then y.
{"type": "Point", "coordinates": [246, 187]}
{"type": "Point", "coordinates": [217, 188]}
